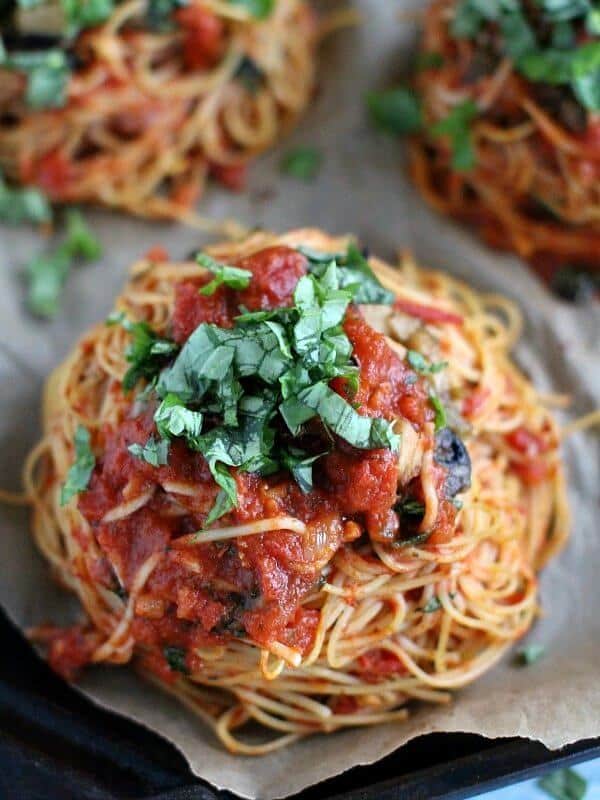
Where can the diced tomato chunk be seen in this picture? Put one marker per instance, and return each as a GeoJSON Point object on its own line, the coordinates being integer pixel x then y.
{"type": "Point", "coordinates": [233, 176]}
{"type": "Point", "coordinates": [427, 313]}
{"type": "Point", "coordinates": [203, 36]}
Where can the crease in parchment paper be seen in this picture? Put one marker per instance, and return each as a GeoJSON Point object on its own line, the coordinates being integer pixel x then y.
{"type": "Point", "coordinates": [361, 189]}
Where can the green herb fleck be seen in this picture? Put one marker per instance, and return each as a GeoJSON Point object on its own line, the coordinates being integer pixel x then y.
{"type": "Point", "coordinates": [354, 273]}
{"type": "Point", "coordinates": [175, 657]}
{"type": "Point", "coordinates": [395, 111]}
{"type": "Point", "coordinates": [530, 654]}
{"type": "Point", "coordinates": [47, 76]}
{"type": "Point", "coordinates": [414, 508]}
{"type": "Point", "coordinates": [429, 60]}
{"type": "Point", "coordinates": [155, 453]}
{"type": "Point", "coordinates": [259, 9]}
{"type": "Point", "coordinates": [47, 273]}
{"type": "Point", "coordinates": [23, 205]}
{"type": "Point", "coordinates": [81, 469]}
{"type": "Point", "coordinates": [225, 275]}
{"type": "Point", "coordinates": [146, 353]}
{"type": "Point", "coordinates": [421, 365]}
{"type": "Point", "coordinates": [82, 14]}
{"type": "Point", "coordinates": [564, 784]}
{"type": "Point", "coordinates": [440, 412]}
{"type": "Point", "coordinates": [433, 604]}
{"type": "Point", "coordinates": [456, 128]}
{"type": "Point", "coordinates": [303, 163]}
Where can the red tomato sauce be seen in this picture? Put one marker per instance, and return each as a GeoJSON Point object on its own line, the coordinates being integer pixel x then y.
{"type": "Point", "coordinates": [251, 586]}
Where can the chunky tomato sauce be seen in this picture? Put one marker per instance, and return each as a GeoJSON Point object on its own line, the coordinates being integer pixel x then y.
{"type": "Point", "coordinates": [250, 586]}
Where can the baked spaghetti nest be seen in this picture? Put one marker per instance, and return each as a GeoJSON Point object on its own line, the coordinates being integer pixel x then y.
{"type": "Point", "coordinates": [503, 114]}
{"type": "Point", "coordinates": [134, 104]}
{"type": "Point", "coordinates": [296, 486]}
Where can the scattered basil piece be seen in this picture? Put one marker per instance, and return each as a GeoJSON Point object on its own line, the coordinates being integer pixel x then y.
{"type": "Point", "coordinates": [440, 412]}
{"type": "Point", "coordinates": [249, 74]}
{"type": "Point", "coordinates": [353, 272]}
{"type": "Point", "coordinates": [301, 466]}
{"type": "Point", "coordinates": [46, 274]}
{"type": "Point", "coordinates": [47, 76]}
{"type": "Point", "coordinates": [429, 60]}
{"type": "Point", "coordinates": [433, 604]}
{"type": "Point", "coordinates": [303, 163]}
{"type": "Point", "coordinates": [80, 242]}
{"type": "Point", "coordinates": [530, 654]}
{"type": "Point", "coordinates": [146, 353]}
{"type": "Point", "coordinates": [225, 275]}
{"type": "Point", "coordinates": [172, 418]}
{"type": "Point", "coordinates": [564, 784]}
{"type": "Point", "coordinates": [80, 471]}
{"type": "Point", "coordinates": [413, 508]}
{"type": "Point", "coordinates": [155, 453]}
{"type": "Point", "coordinates": [455, 127]}
{"type": "Point", "coordinates": [259, 9]}
{"type": "Point", "coordinates": [413, 541]}
{"type": "Point", "coordinates": [421, 365]}
{"type": "Point", "coordinates": [175, 657]}
{"type": "Point", "coordinates": [23, 204]}
{"type": "Point", "coordinates": [395, 111]}
{"type": "Point", "coordinates": [159, 14]}
{"type": "Point", "coordinates": [82, 14]}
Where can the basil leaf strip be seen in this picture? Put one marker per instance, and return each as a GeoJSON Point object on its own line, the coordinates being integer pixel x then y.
{"type": "Point", "coordinates": [80, 472]}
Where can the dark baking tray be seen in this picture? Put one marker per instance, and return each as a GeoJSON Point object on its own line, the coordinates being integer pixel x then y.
{"type": "Point", "coordinates": [54, 745]}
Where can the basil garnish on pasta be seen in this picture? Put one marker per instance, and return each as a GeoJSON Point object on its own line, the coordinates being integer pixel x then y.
{"type": "Point", "coordinates": [229, 391]}
{"type": "Point", "coordinates": [80, 472]}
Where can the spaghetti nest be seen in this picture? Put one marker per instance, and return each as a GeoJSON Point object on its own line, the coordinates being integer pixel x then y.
{"type": "Point", "coordinates": [533, 186]}
{"type": "Point", "coordinates": [150, 114]}
{"type": "Point", "coordinates": [401, 568]}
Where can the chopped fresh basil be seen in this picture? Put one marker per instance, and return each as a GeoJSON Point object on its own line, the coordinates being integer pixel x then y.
{"type": "Point", "coordinates": [434, 604]}
{"type": "Point", "coordinates": [47, 75]}
{"type": "Point", "coordinates": [559, 10]}
{"type": "Point", "coordinates": [146, 353]}
{"type": "Point", "coordinates": [172, 418]}
{"type": "Point", "coordinates": [249, 74]}
{"type": "Point", "coordinates": [564, 784]}
{"type": "Point", "coordinates": [159, 14]}
{"type": "Point", "coordinates": [154, 452]}
{"type": "Point", "coordinates": [414, 508]}
{"type": "Point", "coordinates": [421, 365]}
{"type": "Point", "coordinates": [271, 366]}
{"type": "Point", "coordinates": [530, 654]}
{"type": "Point", "coordinates": [413, 541]}
{"type": "Point", "coordinates": [353, 273]}
{"type": "Point", "coordinates": [259, 9]}
{"type": "Point", "coordinates": [23, 204]}
{"type": "Point", "coordinates": [225, 275]}
{"type": "Point", "coordinates": [440, 412]}
{"type": "Point", "coordinates": [395, 111]}
{"type": "Point", "coordinates": [175, 657]}
{"type": "Point", "coordinates": [558, 61]}
{"type": "Point", "coordinates": [82, 14]}
{"type": "Point", "coordinates": [47, 273]}
{"type": "Point", "coordinates": [80, 471]}
{"type": "Point", "coordinates": [592, 21]}
{"type": "Point", "coordinates": [303, 163]}
{"type": "Point", "coordinates": [429, 60]}
{"type": "Point", "coordinates": [80, 242]}
{"type": "Point", "coordinates": [301, 466]}
{"type": "Point", "coordinates": [456, 127]}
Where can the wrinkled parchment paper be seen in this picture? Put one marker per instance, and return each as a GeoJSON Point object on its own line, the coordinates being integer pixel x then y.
{"type": "Point", "coordinates": [362, 189]}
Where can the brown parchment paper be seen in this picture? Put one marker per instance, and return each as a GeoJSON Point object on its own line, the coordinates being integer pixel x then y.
{"type": "Point", "coordinates": [361, 189]}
